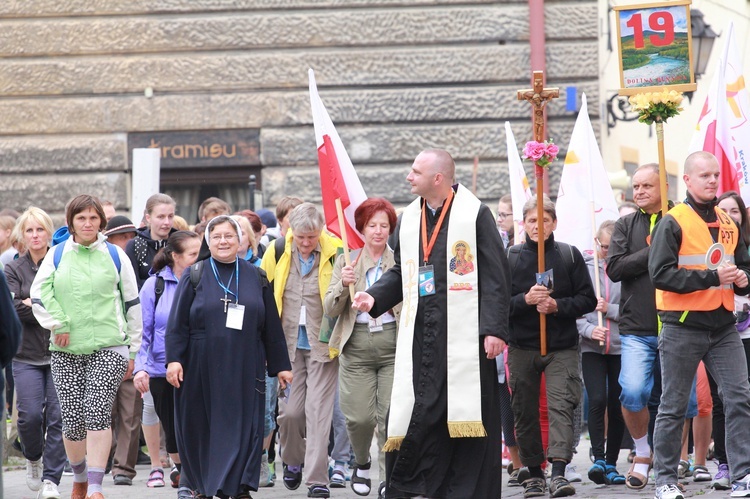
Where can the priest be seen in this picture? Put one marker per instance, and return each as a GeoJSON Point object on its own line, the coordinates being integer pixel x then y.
{"type": "Point", "coordinates": [444, 435]}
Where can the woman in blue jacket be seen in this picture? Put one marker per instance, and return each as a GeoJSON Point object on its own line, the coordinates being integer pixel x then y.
{"type": "Point", "coordinates": [157, 295]}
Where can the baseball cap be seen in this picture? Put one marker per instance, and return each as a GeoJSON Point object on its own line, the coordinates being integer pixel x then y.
{"type": "Point", "coordinates": [269, 219]}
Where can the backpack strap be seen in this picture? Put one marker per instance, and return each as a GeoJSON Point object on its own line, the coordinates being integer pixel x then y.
{"type": "Point", "coordinates": [514, 253]}
{"type": "Point", "coordinates": [279, 245]}
{"type": "Point", "coordinates": [158, 289]}
{"type": "Point", "coordinates": [566, 252]}
{"type": "Point", "coordinates": [115, 256]}
{"type": "Point", "coordinates": [196, 270]}
{"type": "Point", "coordinates": [59, 248]}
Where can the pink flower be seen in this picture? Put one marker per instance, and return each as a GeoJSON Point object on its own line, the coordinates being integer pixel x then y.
{"type": "Point", "coordinates": [552, 151]}
{"type": "Point", "coordinates": [534, 151]}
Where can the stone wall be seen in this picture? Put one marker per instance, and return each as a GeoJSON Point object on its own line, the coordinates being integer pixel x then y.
{"type": "Point", "coordinates": [396, 77]}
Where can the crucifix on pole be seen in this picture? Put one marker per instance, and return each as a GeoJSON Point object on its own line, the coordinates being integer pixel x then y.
{"type": "Point", "coordinates": [538, 97]}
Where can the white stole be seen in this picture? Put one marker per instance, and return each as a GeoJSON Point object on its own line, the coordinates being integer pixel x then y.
{"type": "Point", "coordinates": [463, 381]}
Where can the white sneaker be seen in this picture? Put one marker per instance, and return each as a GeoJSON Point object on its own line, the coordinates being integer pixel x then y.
{"type": "Point", "coordinates": [741, 487]}
{"type": "Point", "coordinates": [34, 470]}
{"type": "Point", "coordinates": [669, 491]}
{"type": "Point", "coordinates": [48, 491]}
{"type": "Point", "coordinates": [571, 474]}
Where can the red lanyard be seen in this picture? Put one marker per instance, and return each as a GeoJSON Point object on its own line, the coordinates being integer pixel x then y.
{"type": "Point", "coordinates": [427, 248]}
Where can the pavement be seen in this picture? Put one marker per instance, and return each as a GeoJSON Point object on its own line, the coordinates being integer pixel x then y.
{"type": "Point", "coordinates": [15, 485]}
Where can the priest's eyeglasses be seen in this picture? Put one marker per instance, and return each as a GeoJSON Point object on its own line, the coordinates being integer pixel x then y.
{"type": "Point", "coordinates": [227, 237]}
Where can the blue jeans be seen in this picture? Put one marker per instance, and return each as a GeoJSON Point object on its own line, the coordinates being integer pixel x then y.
{"type": "Point", "coordinates": [39, 413]}
{"type": "Point", "coordinates": [681, 349]}
{"type": "Point", "coordinates": [639, 361]}
{"type": "Point", "coordinates": [272, 394]}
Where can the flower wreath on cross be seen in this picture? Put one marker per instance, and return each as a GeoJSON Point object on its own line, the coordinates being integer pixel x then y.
{"type": "Point", "coordinates": [541, 153]}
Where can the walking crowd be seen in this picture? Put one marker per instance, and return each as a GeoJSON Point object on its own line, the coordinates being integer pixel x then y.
{"type": "Point", "coordinates": [255, 335]}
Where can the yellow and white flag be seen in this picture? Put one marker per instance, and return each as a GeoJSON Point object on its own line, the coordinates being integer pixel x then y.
{"type": "Point", "coordinates": [584, 188]}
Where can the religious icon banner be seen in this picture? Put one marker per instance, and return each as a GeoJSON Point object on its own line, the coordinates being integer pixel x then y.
{"type": "Point", "coordinates": [655, 47]}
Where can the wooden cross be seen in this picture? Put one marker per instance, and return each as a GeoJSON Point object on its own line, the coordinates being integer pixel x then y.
{"type": "Point", "coordinates": [538, 97]}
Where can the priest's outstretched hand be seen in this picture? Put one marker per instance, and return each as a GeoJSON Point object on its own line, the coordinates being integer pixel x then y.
{"type": "Point", "coordinates": [363, 302]}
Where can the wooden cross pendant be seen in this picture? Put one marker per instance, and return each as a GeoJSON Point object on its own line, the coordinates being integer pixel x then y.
{"type": "Point", "coordinates": [538, 97]}
{"type": "Point", "coordinates": [226, 301]}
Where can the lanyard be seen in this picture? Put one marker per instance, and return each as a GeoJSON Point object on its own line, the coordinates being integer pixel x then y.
{"type": "Point", "coordinates": [427, 248]}
{"type": "Point", "coordinates": [377, 276]}
{"type": "Point", "coordinates": [221, 284]}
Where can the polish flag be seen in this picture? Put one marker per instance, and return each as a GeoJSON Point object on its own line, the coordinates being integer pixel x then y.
{"type": "Point", "coordinates": [338, 180]}
{"type": "Point", "coordinates": [724, 125]}
{"type": "Point", "coordinates": [520, 191]}
{"type": "Point", "coordinates": [585, 198]}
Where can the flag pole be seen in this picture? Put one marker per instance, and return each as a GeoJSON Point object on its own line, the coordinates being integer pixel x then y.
{"type": "Point", "coordinates": [597, 284]}
{"type": "Point", "coordinates": [662, 168]}
{"type": "Point", "coordinates": [342, 228]}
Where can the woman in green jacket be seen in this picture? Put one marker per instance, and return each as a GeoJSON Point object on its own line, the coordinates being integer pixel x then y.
{"type": "Point", "coordinates": [86, 294]}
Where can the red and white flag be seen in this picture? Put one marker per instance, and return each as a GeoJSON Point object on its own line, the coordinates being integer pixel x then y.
{"type": "Point", "coordinates": [724, 125]}
{"type": "Point", "coordinates": [338, 180]}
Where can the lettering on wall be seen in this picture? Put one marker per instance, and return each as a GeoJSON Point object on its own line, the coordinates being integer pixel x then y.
{"type": "Point", "coordinates": [195, 149]}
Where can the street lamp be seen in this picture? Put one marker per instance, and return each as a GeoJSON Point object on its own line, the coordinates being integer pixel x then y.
{"type": "Point", "coordinates": [703, 42]}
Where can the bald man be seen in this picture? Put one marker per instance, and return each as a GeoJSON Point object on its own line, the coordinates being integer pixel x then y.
{"type": "Point", "coordinates": [697, 262]}
{"type": "Point", "coordinates": [444, 422]}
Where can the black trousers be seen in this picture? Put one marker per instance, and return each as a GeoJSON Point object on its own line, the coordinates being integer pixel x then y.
{"type": "Point", "coordinates": [600, 377]}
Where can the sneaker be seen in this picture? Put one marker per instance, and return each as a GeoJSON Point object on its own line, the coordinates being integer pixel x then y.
{"type": "Point", "coordinates": [721, 479]}
{"type": "Point", "coordinates": [741, 488]}
{"type": "Point", "coordinates": [143, 458]}
{"type": "Point", "coordinates": [534, 487]}
{"type": "Point", "coordinates": [598, 472]}
{"type": "Point", "coordinates": [68, 469]}
{"type": "Point", "coordinates": [272, 469]}
{"type": "Point", "coordinates": [174, 477]}
{"type": "Point", "coordinates": [613, 477]}
{"type": "Point", "coordinates": [48, 491]}
{"type": "Point", "coordinates": [669, 491]}
{"type": "Point", "coordinates": [155, 479]}
{"type": "Point", "coordinates": [571, 474]}
{"type": "Point", "coordinates": [319, 491]}
{"type": "Point", "coordinates": [34, 470]}
{"type": "Point", "coordinates": [701, 474]}
{"type": "Point", "coordinates": [559, 486]}
{"type": "Point", "coordinates": [265, 476]}
{"type": "Point", "coordinates": [292, 479]}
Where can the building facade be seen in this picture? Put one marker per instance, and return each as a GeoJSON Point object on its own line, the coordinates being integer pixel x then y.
{"type": "Point", "coordinates": [220, 87]}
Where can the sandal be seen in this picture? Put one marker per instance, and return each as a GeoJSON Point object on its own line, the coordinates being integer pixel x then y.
{"type": "Point", "coordinates": [381, 491]}
{"type": "Point", "coordinates": [636, 481]}
{"type": "Point", "coordinates": [358, 480]}
{"type": "Point", "coordinates": [155, 479]}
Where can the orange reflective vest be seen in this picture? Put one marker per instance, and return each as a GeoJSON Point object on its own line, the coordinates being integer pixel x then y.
{"type": "Point", "coordinates": [696, 240]}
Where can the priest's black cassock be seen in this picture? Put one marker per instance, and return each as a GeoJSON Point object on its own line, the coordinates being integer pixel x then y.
{"type": "Point", "coordinates": [219, 407]}
{"type": "Point", "coordinates": [429, 462]}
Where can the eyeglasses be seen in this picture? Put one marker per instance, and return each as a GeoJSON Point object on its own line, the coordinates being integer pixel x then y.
{"type": "Point", "coordinates": [503, 216]}
{"type": "Point", "coordinates": [227, 237]}
{"type": "Point", "coordinates": [602, 246]}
